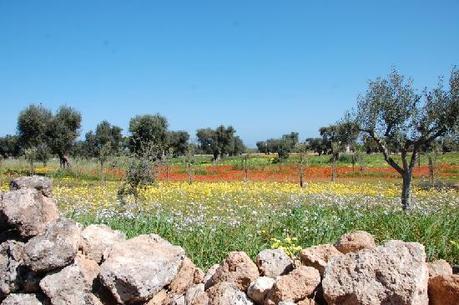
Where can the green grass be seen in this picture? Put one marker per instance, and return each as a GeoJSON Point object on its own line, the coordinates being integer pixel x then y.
{"type": "Point", "coordinates": [310, 224]}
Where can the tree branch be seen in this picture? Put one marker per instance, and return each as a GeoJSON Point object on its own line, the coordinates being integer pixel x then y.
{"type": "Point", "coordinates": [384, 150]}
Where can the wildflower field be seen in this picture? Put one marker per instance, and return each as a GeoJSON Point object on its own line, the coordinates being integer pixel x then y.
{"type": "Point", "coordinates": [220, 212]}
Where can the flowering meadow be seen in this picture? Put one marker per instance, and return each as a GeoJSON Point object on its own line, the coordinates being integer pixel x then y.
{"type": "Point", "coordinates": [213, 216]}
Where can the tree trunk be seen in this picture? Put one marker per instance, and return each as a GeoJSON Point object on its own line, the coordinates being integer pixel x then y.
{"type": "Point", "coordinates": [334, 168]}
{"type": "Point", "coordinates": [301, 177]}
{"type": "Point", "coordinates": [431, 171]}
{"type": "Point", "coordinates": [32, 168]}
{"type": "Point", "coordinates": [406, 190]}
{"type": "Point", "coordinates": [190, 173]}
{"type": "Point", "coordinates": [102, 177]}
{"type": "Point", "coordinates": [64, 162]}
{"type": "Point", "coordinates": [216, 156]}
{"type": "Point", "coordinates": [301, 169]}
{"type": "Point", "coordinates": [246, 170]}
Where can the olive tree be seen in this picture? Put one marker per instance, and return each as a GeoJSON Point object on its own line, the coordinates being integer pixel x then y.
{"type": "Point", "coordinates": [219, 142]}
{"type": "Point", "coordinates": [9, 146]}
{"type": "Point", "coordinates": [33, 124]}
{"type": "Point", "coordinates": [62, 132]}
{"type": "Point", "coordinates": [282, 146]}
{"type": "Point", "coordinates": [338, 138]}
{"type": "Point", "coordinates": [178, 142]}
{"type": "Point", "coordinates": [399, 119]}
{"type": "Point", "coordinates": [148, 132]}
{"type": "Point", "coordinates": [106, 141]}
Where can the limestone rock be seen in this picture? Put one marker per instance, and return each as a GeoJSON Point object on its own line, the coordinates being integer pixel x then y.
{"type": "Point", "coordinates": [11, 254]}
{"type": "Point", "coordinates": [307, 302]}
{"type": "Point", "coordinates": [27, 211]}
{"type": "Point", "coordinates": [355, 241]}
{"type": "Point", "coordinates": [274, 262]}
{"type": "Point", "coordinates": [97, 239]}
{"type": "Point", "coordinates": [195, 295]}
{"type": "Point", "coordinates": [209, 274]}
{"type": "Point", "coordinates": [39, 183]}
{"type": "Point", "coordinates": [178, 300]}
{"type": "Point", "coordinates": [286, 303]}
{"type": "Point", "coordinates": [439, 267]}
{"type": "Point", "coordinates": [444, 290]}
{"type": "Point", "coordinates": [258, 289]}
{"type": "Point", "coordinates": [161, 298]}
{"type": "Point", "coordinates": [73, 284]}
{"type": "Point", "coordinates": [295, 286]}
{"type": "Point", "coordinates": [136, 269]}
{"type": "Point", "coordinates": [225, 293]}
{"type": "Point", "coordinates": [55, 248]}
{"type": "Point", "coordinates": [21, 299]}
{"type": "Point", "coordinates": [237, 268]}
{"type": "Point", "coordinates": [395, 273]}
{"type": "Point", "coordinates": [187, 276]}
{"type": "Point", "coordinates": [319, 256]}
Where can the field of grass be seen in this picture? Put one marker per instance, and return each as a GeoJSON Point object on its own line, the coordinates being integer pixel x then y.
{"type": "Point", "coordinates": [209, 219]}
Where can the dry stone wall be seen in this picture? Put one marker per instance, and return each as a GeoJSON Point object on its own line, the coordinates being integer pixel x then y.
{"type": "Point", "coordinates": [48, 259]}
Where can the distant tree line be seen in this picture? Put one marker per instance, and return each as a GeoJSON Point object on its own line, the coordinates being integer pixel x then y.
{"type": "Point", "coordinates": [282, 146]}
{"type": "Point", "coordinates": [42, 134]}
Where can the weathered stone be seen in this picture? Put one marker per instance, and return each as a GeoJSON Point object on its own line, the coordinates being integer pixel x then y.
{"type": "Point", "coordinates": [178, 300]}
{"type": "Point", "coordinates": [97, 239]}
{"type": "Point", "coordinates": [187, 276]}
{"type": "Point", "coordinates": [27, 211]}
{"type": "Point", "coordinates": [73, 284]}
{"type": "Point", "coordinates": [21, 299]}
{"type": "Point", "coordinates": [307, 302]}
{"type": "Point", "coordinates": [136, 269]}
{"type": "Point", "coordinates": [395, 273]}
{"type": "Point", "coordinates": [355, 241]}
{"type": "Point", "coordinates": [54, 249]}
{"type": "Point", "coordinates": [319, 256]}
{"type": "Point", "coordinates": [209, 274]}
{"type": "Point", "coordinates": [161, 298]}
{"type": "Point", "coordinates": [286, 303]}
{"type": "Point", "coordinates": [444, 290]}
{"type": "Point", "coordinates": [196, 295]}
{"type": "Point", "coordinates": [39, 183]}
{"type": "Point", "coordinates": [225, 293]}
{"type": "Point", "coordinates": [258, 289]}
{"type": "Point", "coordinates": [274, 262]}
{"type": "Point", "coordinates": [11, 254]}
{"type": "Point", "coordinates": [295, 286]}
{"type": "Point", "coordinates": [439, 267]}
{"type": "Point", "coordinates": [237, 268]}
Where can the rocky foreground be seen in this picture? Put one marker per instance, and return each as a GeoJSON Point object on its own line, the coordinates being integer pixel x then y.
{"type": "Point", "coordinates": [48, 259]}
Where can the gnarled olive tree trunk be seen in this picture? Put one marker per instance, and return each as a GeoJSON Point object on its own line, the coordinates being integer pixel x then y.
{"type": "Point", "coordinates": [406, 189]}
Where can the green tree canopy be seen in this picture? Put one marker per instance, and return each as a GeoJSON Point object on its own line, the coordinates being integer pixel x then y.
{"type": "Point", "coordinates": [9, 146]}
{"type": "Point", "coordinates": [33, 124]}
{"type": "Point", "coordinates": [148, 132]}
{"type": "Point", "coordinates": [105, 141]}
{"type": "Point", "coordinates": [397, 118]}
{"type": "Point", "coordinates": [63, 131]}
{"type": "Point", "coordinates": [178, 142]}
{"type": "Point", "coordinates": [282, 146]}
{"type": "Point", "coordinates": [220, 141]}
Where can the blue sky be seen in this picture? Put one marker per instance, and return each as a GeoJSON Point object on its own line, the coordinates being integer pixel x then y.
{"type": "Point", "coordinates": [265, 67]}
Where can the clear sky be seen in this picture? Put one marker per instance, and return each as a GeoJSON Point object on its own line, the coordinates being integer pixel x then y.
{"type": "Point", "coordinates": [265, 67]}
